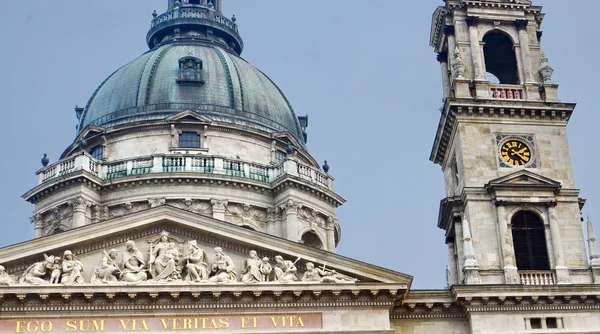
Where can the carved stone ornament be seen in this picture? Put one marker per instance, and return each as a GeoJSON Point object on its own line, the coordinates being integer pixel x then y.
{"type": "Point", "coordinates": [458, 65]}
{"type": "Point", "coordinates": [546, 70]}
{"type": "Point", "coordinates": [285, 270]}
{"type": "Point", "coordinates": [5, 278]}
{"type": "Point", "coordinates": [196, 263]}
{"type": "Point", "coordinates": [252, 266]}
{"type": "Point", "coordinates": [156, 202]}
{"type": "Point", "coordinates": [164, 260]}
{"type": "Point", "coordinates": [108, 270]}
{"type": "Point", "coordinates": [72, 269]}
{"type": "Point", "coordinates": [132, 269]}
{"type": "Point", "coordinates": [218, 204]}
{"type": "Point", "coordinates": [323, 275]}
{"type": "Point", "coordinates": [223, 270]}
{"type": "Point", "coordinates": [42, 272]}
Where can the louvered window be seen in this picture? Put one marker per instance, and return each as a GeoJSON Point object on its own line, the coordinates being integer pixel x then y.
{"type": "Point", "coordinates": [529, 240]}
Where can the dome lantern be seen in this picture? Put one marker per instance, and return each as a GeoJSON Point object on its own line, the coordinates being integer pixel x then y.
{"type": "Point", "coordinates": [195, 20]}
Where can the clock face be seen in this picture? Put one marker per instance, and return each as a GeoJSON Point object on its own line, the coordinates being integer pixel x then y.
{"type": "Point", "coordinates": [515, 153]}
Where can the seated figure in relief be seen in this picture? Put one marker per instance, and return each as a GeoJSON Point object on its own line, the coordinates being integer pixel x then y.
{"type": "Point", "coordinates": [72, 269]}
{"type": "Point", "coordinates": [107, 270]}
{"type": "Point", "coordinates": [223, 271]}
{"type": "Point", "coordinates": [39, 272]}
{"type": "Point", "coordinates": [285, 270]}
{"type": "Point", "coordinates": [252, 273]}
{"type": "Point", "coordinates": [196, 263]}
{"type": "Point", "coordinates": [5, 278]}
{"type": "Point", "coordinates": [132, 270]}
{"type": "Point", "coordinates": [319, 275]}
{"type": "Point", "coordinates": [164, 258]}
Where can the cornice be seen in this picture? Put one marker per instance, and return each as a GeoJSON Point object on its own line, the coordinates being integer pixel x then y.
{"type": "Point", "coordinates": [456, 110]}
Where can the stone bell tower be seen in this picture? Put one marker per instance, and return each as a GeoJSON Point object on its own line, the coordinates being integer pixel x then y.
{"type": "Point", "coordinates": [512, 211]}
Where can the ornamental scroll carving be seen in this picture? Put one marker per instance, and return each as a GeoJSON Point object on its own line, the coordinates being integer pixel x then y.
{"type": "Point", "coordinates": [170, 260]}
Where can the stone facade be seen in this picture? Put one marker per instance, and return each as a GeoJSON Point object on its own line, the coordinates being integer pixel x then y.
{"type": "Point", "coordinates": [238, 234]}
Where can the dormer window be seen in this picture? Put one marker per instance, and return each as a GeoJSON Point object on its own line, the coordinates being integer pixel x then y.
{"type": "Point", "coordinates": [190, 71]}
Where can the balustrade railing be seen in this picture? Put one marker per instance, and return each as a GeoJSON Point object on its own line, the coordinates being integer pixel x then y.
{"type": "Point", "coordinates": [194, 13]}
{"type": "Point", "coordinates": [545, 277]}
{"type": "Point", "coordinates": [183, 163]}
{"type": "Point", "coordinates": [506, 92]}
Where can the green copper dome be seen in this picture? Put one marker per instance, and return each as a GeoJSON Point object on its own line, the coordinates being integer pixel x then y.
{"type": "Point", "coordinates": [227, 88]}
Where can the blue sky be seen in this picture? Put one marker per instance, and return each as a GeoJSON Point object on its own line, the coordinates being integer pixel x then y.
{"type": "Point", "coordinates": [362, 70]}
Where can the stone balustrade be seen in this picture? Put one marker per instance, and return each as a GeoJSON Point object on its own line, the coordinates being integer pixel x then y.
{"type": "Point", "coordinates": [183, 163]}
{"type": "Point", "coordinates": [543, 277]}
{"type": "Point", "coordinates": [194, 13]}
{"type": "Point", "coordinates": [506, 92]}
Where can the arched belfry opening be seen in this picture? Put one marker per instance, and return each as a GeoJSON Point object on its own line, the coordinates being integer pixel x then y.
{"type": "Point", "coordinates": [500, 58]}
{"type": "Point", "coordinates": [311, 239]}
{"type": "Point", "coordinates": [529, 240]}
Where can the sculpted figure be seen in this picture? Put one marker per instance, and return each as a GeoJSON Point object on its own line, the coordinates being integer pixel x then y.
{"type": "Point", "coordinates": [133, 265]}
{"type": "Point", "coordinates": [163, 260]}
{"type": "Point", "coordinates": [56, 271]}
{"type": "Point", "coordinates": [197, 263]}
{"type": "Point", "coordinates": [265, 269]}
{"type": "Point", "coordinates": [72, 269]}
{"type": "Point", "coordinates": [107, 269]}
{"type": "Point", "coordinates": [5, 278]}
{"type": "Point", "coordinates": [322, 275]}
{"type": "Point", "coordinates": [223, 271]}
{"type": "Point", "coordinates": [285, 270]}
{"type": "Point", "coordinates": [38, 273]}
{"type": "Point", "coordinates": [252, 273]}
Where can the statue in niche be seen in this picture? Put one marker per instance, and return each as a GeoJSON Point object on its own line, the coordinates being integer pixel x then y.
{"type": "Point", "coordinates": [265, 269]}
{"type": "Point", "coordinates": [5, 278]}
{"type": "Point", "coordinates": [56, 271]}
{"type": "Point", "coordinates": [223, 270]}
{"type": "Point", "coordinates": [39, 272]}
{"type": "Point", "coordinates": [252, 272]}
{"type": "Point", "coordinates": [546, 70]}
{"type": "Point", "coordinates": [107, 270]}
{"type": "Point", "coordinates": [197, 263]}
{"type": "Point", "coordinates": [458, 65]}
{"type": "Point", "coordinates": [322, 275]}
{"type": "Point", "coordinates": [132, 270]}
{"type": "Point", "coordinates": [164, 258]}
{"type": "Point", "coordinates": [72, 269]}
{"type": "Point", "coordinates": [285, 270]}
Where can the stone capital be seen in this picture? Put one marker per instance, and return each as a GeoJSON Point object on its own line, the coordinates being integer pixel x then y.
{"type": "Point", "coordinates": [521, 24]}
{"type": "Point", "coordinates": [449, 30]}
{"type": "Point", "coordinates": [155, 202]}
{"type": "Point", "coordinates": [291, 207]}
{"type": "Point", "coordinates": [472, 21]}
{"type": "Point", "coordinates": [79, 204]}
{"type": "Point", "coordinates": [442, 57]}
{"type": "Point", "coordinates": [500, 203]}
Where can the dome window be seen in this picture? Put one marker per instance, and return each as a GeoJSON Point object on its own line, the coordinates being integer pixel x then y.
{"type": "Point", "coordinates": [97, 152]}
{"type": "Point", "coordinates": [189, 140]}
{"type": "Point", "coordinates": [190, 71]}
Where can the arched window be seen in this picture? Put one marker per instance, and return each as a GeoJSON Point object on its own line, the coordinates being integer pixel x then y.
{"type": "Point", "coordinates": [310, 239]}
{"type": "Point", "coordinates": [500, 58]}
{"type": "Point", "coordinates": [529, 241]}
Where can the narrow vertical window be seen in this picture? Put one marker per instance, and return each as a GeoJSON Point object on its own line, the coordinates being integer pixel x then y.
{"type": "Point", "coordinates": [529, 240]}
{"type": "Point", "coordinates": [190, 71]}
{"type": "Point", "coordinates": [97, 152]}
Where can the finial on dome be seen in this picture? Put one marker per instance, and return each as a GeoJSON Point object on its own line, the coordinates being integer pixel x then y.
{"type": "Point", "coordinates": [154, 14]}
{"type": "Point", "coordinates": [233, 18]}
{"type": "Point", "coordinates": [326, 167]}
{"type": "Point", "coordinates": [45, 160]}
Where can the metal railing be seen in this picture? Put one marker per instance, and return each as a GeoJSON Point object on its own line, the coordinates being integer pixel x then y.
{"type": "Point", "coordinates": [543, 277]}
{"type": "Point", "coordinates": [184, 163]}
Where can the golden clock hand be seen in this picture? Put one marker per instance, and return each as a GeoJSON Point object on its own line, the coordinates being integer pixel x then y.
{"type": "Point", "coordinates": [518, 154]}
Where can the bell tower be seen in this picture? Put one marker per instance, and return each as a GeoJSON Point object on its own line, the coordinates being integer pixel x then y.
{"type": "Point", "coordinates": [512, 214]}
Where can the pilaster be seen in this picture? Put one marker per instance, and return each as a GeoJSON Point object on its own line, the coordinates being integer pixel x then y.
{"type": "Point", "coordinates": [290, 226]}
{"type": "Point", "coordinates": [329, 232]}
{"type": "Point", "coordinates": [471, 267]}
{"type": "Point", "coordinates": [476, 57]}
{"type": "Point", "coordinates": [511, 275]}
{"type": "Point", "coordinates": [562, 272]}
{"type": "Point", "coordinates": [79, 208]}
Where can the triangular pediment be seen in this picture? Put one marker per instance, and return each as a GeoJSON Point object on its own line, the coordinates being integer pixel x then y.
{"type": "Point", "coordinates": [525, 179]}
{"type": "Point", "coordinates": [189, 116]}
{"type": "Point", "coordinates": [90, 242]}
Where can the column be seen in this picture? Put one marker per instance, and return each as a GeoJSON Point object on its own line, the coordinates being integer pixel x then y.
{"type": "Point", "coordinates": [330, 233]}
{"type": "Point", "coordinates": [38, 224]}
{"type": "Point", "coordinates": [511, 274]}
{"type": "Point", "coordinates": [79, 208]}
{"type": "Point", "coordinates": [594, 254]}
{"type": "Point", "coordinates": [562, 272]}
{"type": "Point", "coordinates": [291, 220]}
{"type": "Point", "coordinates": [478, 68]}
{"type": "Point", "coordinates": [471, 267]}
{"type": "Point", "coordinates": [218, 208]}
{"type": "Point", "coordinates": [452, 271]}
{"type": "Point", "coordinates": [449, 32]}
{"type": "Point", "coordinates": [459, 248]}
{"type": "Point", "coordinates": [524, 45]}
{"type": "Point", "coordinates": [442, 57]}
